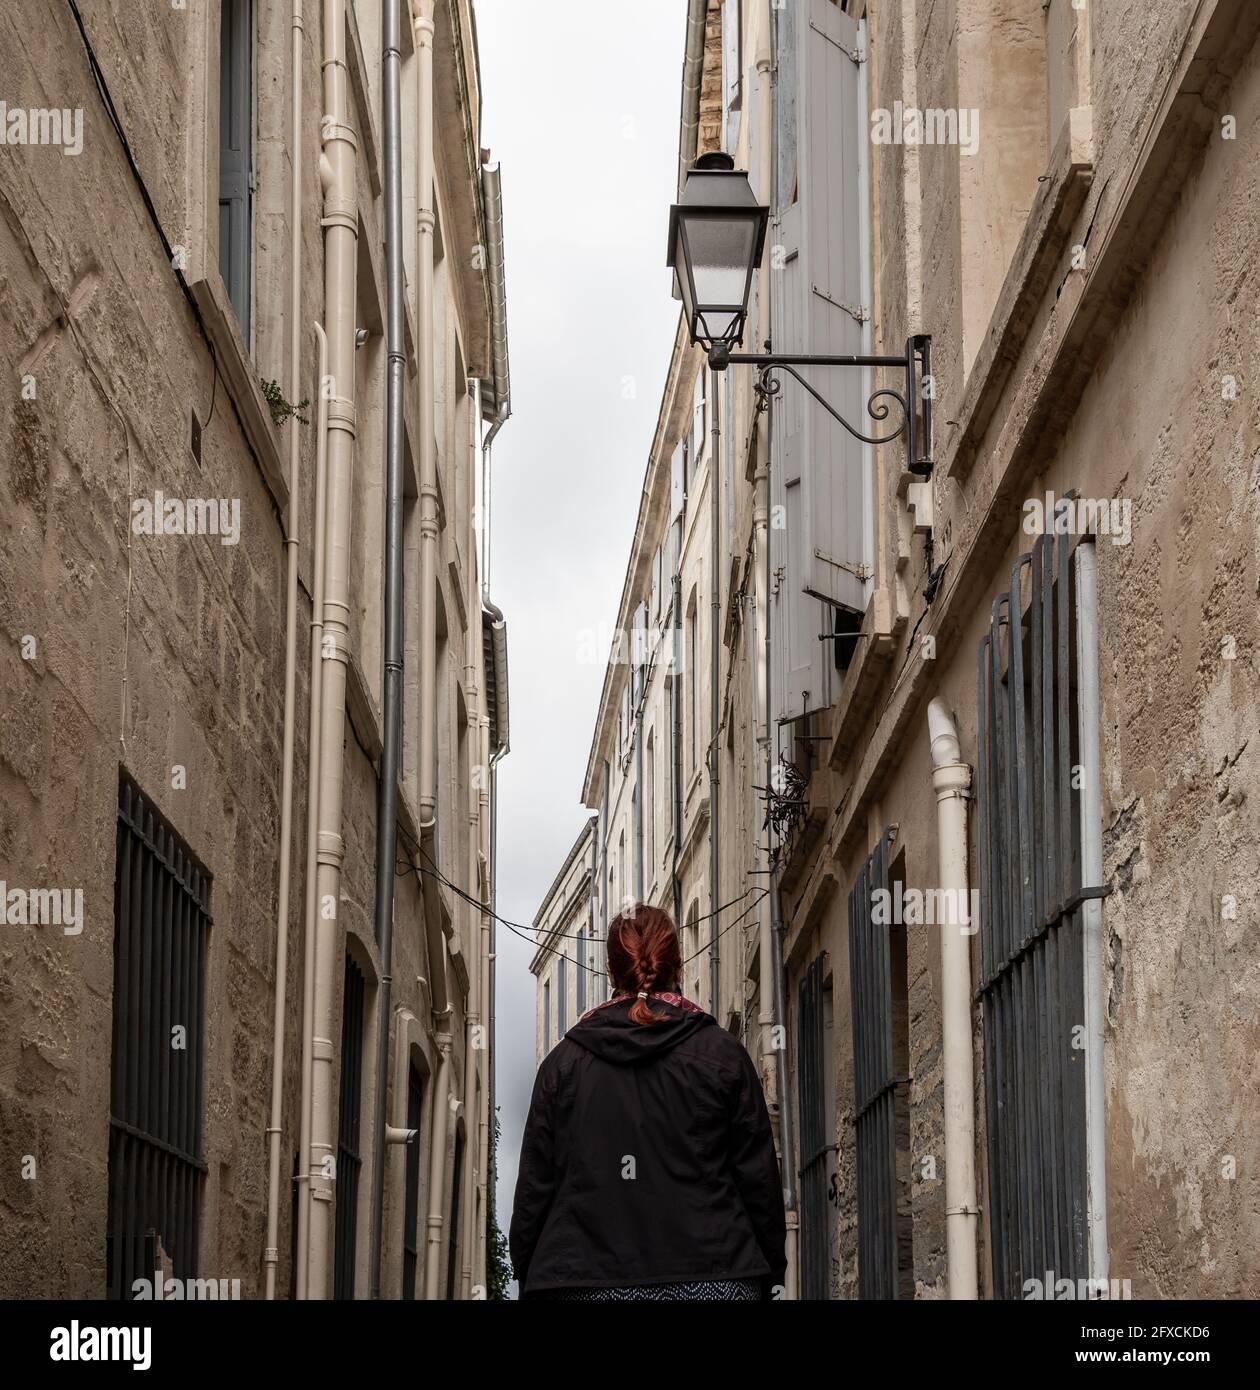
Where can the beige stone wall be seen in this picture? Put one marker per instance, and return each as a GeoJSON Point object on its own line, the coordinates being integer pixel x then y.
{"type": "Point", "coordinates": [1087, 278]}
{"type": "Point", "coordinates": [155, 652]}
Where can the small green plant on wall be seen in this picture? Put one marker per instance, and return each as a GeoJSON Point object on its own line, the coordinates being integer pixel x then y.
{"type": "Point", "coordinates": [280, 408]}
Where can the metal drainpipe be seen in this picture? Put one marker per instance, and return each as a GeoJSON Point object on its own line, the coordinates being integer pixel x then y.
{"type": "Point", "coordinates": [636, 685]}
{"type": "Point", "coordinates": [951, 780]}
{"type": "Point", "coordinates": [715, 666]}
{"type": "Point", "coordinates": [271, 1253]}
{"type": "Point", "coordinates": [341, 222]}
{"type": "Point", "coordinates": [1086, 560]}
{"type": "Point", "coordinates": [312, 814]}
{"type": "Point", "coordinates": [392, 675]}
{"type": "Point", "coordinates": [434, 935]}
{"type": "Point", "coordinates": [776, 915]}
{"type": "Point", "coordinates": [676, 693]}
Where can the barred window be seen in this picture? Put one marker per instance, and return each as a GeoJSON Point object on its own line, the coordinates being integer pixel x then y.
{"type": "Point", "coordinates": [349, 1159]}
{"type": "Point", "coordinates": [881, 1064]}
{"type": "Point", "coordinates": [411, 1216]}
{"type": "Point", "coordinates": [161, 942]}
{"type": "Point", "coordinates": [1034, 902]}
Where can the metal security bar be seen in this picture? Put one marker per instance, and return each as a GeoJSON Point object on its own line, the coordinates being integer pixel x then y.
{"type": "Point", "coordinates": [875, 1081]}
{"type": "Point", "coordinates": [1031, 947]}
{"type": "Point", "coordinates": [161, 941]}
{"type": "Point", "coordinates": [411, 1214]}
{"type": "Point", "coordinates": [816, 1143]}
{"type": "Point", "coordinates": [452, 1258]}
{"type": "Point", "coordinates": [349, 1159]}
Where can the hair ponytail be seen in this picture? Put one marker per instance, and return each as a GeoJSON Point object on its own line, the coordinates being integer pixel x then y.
{"type": "Point", "coordinates": [643, 955]}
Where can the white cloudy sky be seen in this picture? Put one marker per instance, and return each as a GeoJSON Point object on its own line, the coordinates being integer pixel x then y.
{"type": "Point", "coordinates": [580, 104]}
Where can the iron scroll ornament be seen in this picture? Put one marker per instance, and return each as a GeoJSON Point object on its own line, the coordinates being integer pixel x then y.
{"type": "Point", "coordinates": [768, 387]}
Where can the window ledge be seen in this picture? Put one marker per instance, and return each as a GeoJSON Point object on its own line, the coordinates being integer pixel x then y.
{"type": "Point", "coordinates": [1059, 199]}
{"type": "Point", "coordinates": [240, 379]}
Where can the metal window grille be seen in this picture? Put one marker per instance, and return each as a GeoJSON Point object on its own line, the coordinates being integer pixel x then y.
{"type": "Point", "coordinates": [349, 1160]}
{"type": "Point", "coordinates": [562, 995]}
{"type": "Point", "coordinates": [452, 1260]}
{"type": "Point", "coordinates": [411, 1214]}
{"type": "Point", "coordinates": [579, 974]}
{"type": "Point", "coordinates": [876, 1081]}
{"type": "Point", "coordinates": [816, 1143]}
{"type": "Point", "coordinates": [161, 941]}
{"type": "Point", "coordinates": [1031, 942]}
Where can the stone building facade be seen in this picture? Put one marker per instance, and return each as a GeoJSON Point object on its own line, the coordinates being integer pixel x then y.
{"type": "Point", "coordinates": [141, 750]}
{"type": "Point", "coordinates": [1062, 196]}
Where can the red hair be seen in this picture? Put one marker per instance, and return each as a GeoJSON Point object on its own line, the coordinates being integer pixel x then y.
{"type": "Point", "coordinates": [643, 955]}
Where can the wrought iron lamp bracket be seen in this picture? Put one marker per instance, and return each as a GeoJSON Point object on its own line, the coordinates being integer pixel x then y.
{"type": "Point", "coordinates": [913, 401]}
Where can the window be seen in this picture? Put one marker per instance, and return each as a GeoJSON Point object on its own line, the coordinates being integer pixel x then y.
{"type": "Point", "coordinates": [546, 1018]}
{"type": "Point", "coordinates": [697, 422]}
{"type": "Point", "coordinates": [816, 1103]}
{"type": "Point", "coordinates": [691, 953]}
{"type": "Point", "coordinates": [649, 811]}
{"type": "Point", "coordinates": [579, 981]}
{"type": "Point", "coordinates": [692, 731]}
{"type": "Point", "coordinates": [877, 972]}
{"type": "Point", "coordinates": [730, 73]}
{"type": "Point", "coordinates": [161, 941]}
{"type": "Point", "coordinates": [236, 125]}
{"type": "Point", "coordinates": [349, 1159]}
{"type": "Point", "coordinates": [562, 994]}
{"type": "Point", "coordinates": [1035, 906]}
{"type": "Point", "coordinates": [452, 1258]}
{"type": "Point", "coordinates": [411, 1212]}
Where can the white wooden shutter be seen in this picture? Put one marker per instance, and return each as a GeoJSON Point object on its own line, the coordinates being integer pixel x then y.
{"type": "Point", "coordinates": [677, 480]}
{"type": "Point", "coordinates": [832, 229]}
{"type": "Point", "coordinates": [731, 47]}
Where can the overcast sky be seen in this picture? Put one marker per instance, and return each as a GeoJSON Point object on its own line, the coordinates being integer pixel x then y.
{"type": "Point", "coordinates": [580, 105]}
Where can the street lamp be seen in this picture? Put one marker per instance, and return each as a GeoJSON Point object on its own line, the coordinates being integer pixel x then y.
{"type": "Point", "coordinates": [717, 232]}
{"type": "Point", "coordinates": [716, 235]}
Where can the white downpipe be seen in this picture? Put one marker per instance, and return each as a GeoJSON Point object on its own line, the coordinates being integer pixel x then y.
{"type": "Point", "coordinates": [312, 809]}
{"type": "Point", "coordinates": [422, 23]}
{"type": "Point", "coordinates": [271, 1253]}
{"type": "Point", "coordinates": [761, 568]}
{"type": "Point", "coordinates": [341, 223]}
{"type": "Point", "coordinates": [951, 777]}
{"type": "Point", "coordinates": [1086, 560]}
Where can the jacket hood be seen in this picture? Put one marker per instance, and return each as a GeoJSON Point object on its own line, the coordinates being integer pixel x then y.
{"type": "Point", "coordinates": [608, 1032]}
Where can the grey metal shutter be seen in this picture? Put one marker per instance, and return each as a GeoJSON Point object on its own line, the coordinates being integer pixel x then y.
{"type": "Point", "coordinates": [236, 115]}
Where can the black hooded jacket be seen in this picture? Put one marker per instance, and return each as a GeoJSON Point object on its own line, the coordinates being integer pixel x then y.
{"type": "Point", "coordinates": [647, 1159]}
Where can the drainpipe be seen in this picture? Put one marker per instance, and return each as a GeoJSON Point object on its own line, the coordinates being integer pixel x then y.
{"type": "Point", "coordinates": [271, 1254]}
{"type": "Point", "coordinates": [337, 169]}
{"type": "Point", "coordinates": [392, 675]}
{"type": "Point", "coordinates": [1086, 560]}
{"type": "Point", "coordinates": [470, 1180]}
{"type": "Point", "coordinates": [434, 936]}
{"type": "Point", "coordinates": [675, 691]}
{"type": "Point", "coordinates": [951, 777]}
{"type": "Point", "coordinates": [715, 666]}
{"type": "Point", "coordinates": [312, 812]}
{"type": "Point", "coordinates": [693, 63]}
{"type": "Point", "coordinates": [767, 965]}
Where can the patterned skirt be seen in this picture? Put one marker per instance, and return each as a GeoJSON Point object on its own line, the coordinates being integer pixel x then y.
{"type": "Point", "coordinates": [696, 1290]}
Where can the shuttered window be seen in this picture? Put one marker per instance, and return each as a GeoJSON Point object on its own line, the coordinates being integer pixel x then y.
{"type": "Point", "coordinates": [349, 1157]}
{"type": "Point", "coordinates": [236, 124]}
{"type": "Point", "coordinates": [411, 1211]}
{"type": "Point", "coordinates": [161, 943]}
{"type": "Point", "coordinates": [1033, 904]}
{"type": "Point", "coordinates": [457, 1182]}
{"type": "Point", "coordinates": [818, 1138]}
{"type": "Point", "coordinates": [820, 474]}
{"type": "Point", "coordinates": [877, 975]}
